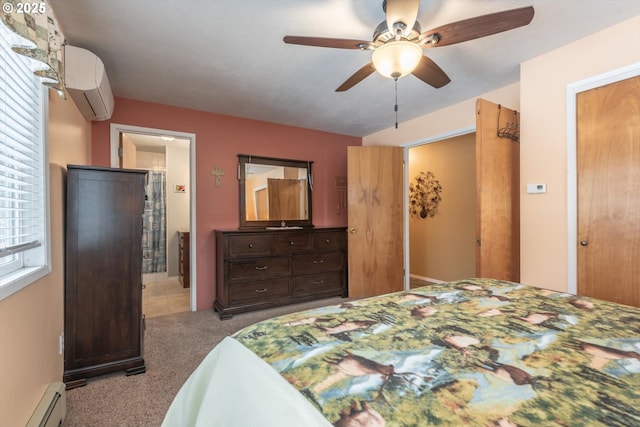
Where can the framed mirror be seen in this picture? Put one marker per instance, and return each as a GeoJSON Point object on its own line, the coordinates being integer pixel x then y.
{"type": "Point", "coordinates": [274, 193]}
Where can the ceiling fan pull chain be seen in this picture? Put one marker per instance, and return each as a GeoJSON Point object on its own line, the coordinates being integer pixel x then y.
{"type": "Point", "coordinates": [396, 106]}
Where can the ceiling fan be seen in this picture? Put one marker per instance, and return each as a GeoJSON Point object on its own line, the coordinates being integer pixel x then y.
{"type": "Point", "coordinates": [398, 42]}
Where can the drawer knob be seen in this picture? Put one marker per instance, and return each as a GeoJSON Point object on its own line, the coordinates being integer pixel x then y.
{"type": "Point", "coordinates": [327, 241]}
{"type": "Point", "coordinates": [261, 291]}
{"type": "Point", "coordinates": [262, 268]}
{"type": "Point", "coordinates": [318, 261]}
{"type": "Point", "coordinates": [318, 282]}
{"type": "Point", "coordinates": [292, 243]}
{"type": "Point", "coordinates": [250, 245]}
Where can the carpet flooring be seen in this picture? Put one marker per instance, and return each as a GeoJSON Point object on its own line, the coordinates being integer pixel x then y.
{"type": "Point", "coordinates": [174, 345]}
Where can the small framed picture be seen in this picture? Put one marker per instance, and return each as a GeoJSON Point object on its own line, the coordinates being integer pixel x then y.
{"type": "Point", "coordinates": [180, 188]}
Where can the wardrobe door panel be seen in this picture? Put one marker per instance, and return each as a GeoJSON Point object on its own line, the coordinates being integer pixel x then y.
{"type": "Point", "coordinates": [103, 286]}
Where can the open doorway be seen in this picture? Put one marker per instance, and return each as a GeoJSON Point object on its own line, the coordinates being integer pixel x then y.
{"type": "Point", "coordinates": [168, 218]}
{"type": "Point", "coordinates": [442, 210]}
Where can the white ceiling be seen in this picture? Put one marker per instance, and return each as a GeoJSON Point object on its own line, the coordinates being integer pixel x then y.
{"type": "Point", "coordinates": [228, 56]}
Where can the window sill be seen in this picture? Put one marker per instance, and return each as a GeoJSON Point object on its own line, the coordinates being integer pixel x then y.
{"type": "Point", "coordinates": [20, 279]}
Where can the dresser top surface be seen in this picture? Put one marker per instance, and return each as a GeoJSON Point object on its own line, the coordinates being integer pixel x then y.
{"type": "Point", "coordinates": [279, 231]}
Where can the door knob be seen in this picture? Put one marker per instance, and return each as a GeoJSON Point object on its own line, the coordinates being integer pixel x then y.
{"type": "Point", "coordinates": [583, 243]}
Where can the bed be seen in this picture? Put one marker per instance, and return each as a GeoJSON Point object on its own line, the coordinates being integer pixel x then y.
{"type": "Point", "coordinates": [476, 352]}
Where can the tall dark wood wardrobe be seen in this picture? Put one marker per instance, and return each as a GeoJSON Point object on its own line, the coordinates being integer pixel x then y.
{"type": "Point", "coordinates": [103, 277]}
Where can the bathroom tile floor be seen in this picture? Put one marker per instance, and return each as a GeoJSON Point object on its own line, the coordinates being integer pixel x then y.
{"type": "Point", "coordinates": [164, 297]}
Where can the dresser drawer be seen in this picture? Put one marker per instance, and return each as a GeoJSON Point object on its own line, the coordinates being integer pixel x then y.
{"type": "Point", "coordinates": [321, 282]}
{"type": "Point", "coordinates": [290, 242]}
{"type": "Point", "coordinates": [249, 245]}
{"type": "Point", "coordinates": [259, 290]}
{"type": "Point", "coordinates": [318, 262]}
{"type": "Point", "coordinates": [262, 268]}
{"type": "Point", "coordinates": [329, 240]}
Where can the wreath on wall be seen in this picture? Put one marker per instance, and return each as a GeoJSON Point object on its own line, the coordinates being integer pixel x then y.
{"type": "Point", "coordinates": [424, 195]}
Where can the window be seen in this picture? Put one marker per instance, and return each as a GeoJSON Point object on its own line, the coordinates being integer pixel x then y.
{"type": "Point", "coordinates": [24, 253]}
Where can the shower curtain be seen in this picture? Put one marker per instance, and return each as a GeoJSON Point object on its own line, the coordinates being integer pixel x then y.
{"type": "Point", "coordinates": [154, 252]}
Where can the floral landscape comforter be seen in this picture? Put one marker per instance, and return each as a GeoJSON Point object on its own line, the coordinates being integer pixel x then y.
{"type": "Point", "coordinates": [478, 352]}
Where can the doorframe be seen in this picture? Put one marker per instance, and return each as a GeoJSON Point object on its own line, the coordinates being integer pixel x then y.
{"type": "Point", "coordinates": [115, 130]}
{"type": "Point", "coordinates": [440, 137]}
{"type": "Point", "coordinates": [573, 89]}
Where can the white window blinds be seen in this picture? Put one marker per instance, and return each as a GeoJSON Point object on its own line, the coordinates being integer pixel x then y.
{"type": "Point", "coordinates": [22, 192]}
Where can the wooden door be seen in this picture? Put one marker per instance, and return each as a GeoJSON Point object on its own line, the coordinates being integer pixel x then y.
{"type": "Point", "coordinates": [375, 218]}
{"type": "Point", "coordinates": [498, 194]}
{"type": "Point", "coordinates": [284, 198]}
{"type": "Point", "coordinates": [608, 161]}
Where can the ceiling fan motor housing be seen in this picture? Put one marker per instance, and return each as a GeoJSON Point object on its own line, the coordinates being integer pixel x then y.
{"type": "Point", "coordinates": [383, 34]}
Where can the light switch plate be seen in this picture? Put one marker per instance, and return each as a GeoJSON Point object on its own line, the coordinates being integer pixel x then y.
{"type": "Point", "coordinates": [536, 188]}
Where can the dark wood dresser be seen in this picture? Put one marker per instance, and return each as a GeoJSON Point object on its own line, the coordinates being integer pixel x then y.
{"type": "Point", "coordinates": [183, 259]}
{"type": "Point", "coordinates": [267, 268]}
{"type": "Point", "coordinates": [103, 320]}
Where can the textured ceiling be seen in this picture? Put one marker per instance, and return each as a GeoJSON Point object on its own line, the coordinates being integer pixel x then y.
{"type": "Point", "coordinates": [228, 56]}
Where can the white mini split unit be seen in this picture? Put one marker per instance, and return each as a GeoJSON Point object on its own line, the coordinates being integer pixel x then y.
{"type": "Point", "coordinates": [87, 83]}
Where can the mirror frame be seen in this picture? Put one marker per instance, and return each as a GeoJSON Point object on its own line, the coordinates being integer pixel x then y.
{"type": "Point", "coordinates": [243, 160]}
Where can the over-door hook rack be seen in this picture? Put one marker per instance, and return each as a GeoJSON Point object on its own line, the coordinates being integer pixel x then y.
{"type": "Point", "coordinates": [511, 130]}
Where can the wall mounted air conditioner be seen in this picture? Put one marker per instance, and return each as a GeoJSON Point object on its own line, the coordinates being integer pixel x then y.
{"type": "Point", "coordinates": [87, 83]}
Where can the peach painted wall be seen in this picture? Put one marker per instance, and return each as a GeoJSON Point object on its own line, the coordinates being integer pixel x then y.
{"type": "Point", "coordinates": [544, 81]}
{"type": "Point", "coordinates": [219, 139]}
{"type": "Point", "coordinates": [32, 319]}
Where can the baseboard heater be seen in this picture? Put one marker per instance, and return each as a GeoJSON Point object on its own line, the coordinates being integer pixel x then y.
{"type": "Point", "coordinates": [52, 407]}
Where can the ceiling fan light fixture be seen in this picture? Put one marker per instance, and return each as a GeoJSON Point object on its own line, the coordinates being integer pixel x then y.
{"type": "Point", "coordinates": [396, 59]}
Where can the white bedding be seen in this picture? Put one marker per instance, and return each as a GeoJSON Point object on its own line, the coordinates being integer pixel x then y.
{"type": "Point", "coordinates": [209, 397]}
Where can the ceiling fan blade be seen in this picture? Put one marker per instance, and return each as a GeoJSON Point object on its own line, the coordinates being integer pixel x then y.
{"type": "Point", "coordinates": [480, 26]}
{"type": "Point", "coordinates": [328, 42]}
{"type": "Point", "coordinates": [430, 73]}
{"type": "Point", "coordinates": [357, 77]}
{"type": "Point", "coordinates": [405, 11]}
